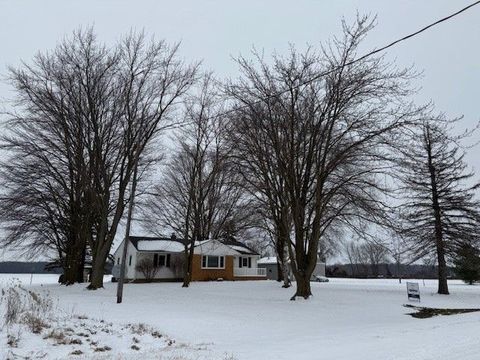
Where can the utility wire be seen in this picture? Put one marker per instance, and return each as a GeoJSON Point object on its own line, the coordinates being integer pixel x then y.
{"type": "Point", "coordinates": [383, 48]}
{"type": "Point", "coordinates": [373, 52]}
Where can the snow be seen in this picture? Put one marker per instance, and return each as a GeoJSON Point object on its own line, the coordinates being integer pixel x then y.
{"type": "Point", "coordinates": [160, 245]}
{"type": "Point", "coordinates": [345, 319]}
{"type": "Point", "coordinates": [241, 249]}
{"type": "Point", "coordinates": [267, 260]}
{"type": "Point", "coordinates": [29, 279]}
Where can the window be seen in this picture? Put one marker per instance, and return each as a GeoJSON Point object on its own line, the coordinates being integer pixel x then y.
{"type": "Point", "coordinates": [245, 262]}
{"type": "Point", "coordinates": [213, 262]}
{"type": "Point", "coordinates": [130, 261]}
{"type": "Point", "coordinates": [161, 260]}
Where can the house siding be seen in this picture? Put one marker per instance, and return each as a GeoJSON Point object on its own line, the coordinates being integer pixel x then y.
{"type": "Point", "coordinates": [199, 274]}
{"type": "Point", "coordinates": [129, 269]}
{"type": "Point", "coordinates": [240, 278]}
{"type": "Point", "coordinates": [271, 270]}
{"type": "Point", "coordinates": [174, 272]}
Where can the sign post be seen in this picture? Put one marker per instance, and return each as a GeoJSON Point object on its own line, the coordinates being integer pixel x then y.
{"type": "Point", "coordinates": [413, 291]}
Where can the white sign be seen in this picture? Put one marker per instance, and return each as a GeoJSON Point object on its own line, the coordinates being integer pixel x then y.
{"type": "Point", "coordinates": [413, 291]}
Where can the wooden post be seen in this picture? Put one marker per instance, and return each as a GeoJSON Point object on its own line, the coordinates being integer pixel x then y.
{"type": "Point", "coordinates": [127, 232]}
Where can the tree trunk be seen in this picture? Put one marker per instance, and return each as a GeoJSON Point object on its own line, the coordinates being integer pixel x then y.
{"type": "Point", "coordinates": [279, 271]}
{"type": "Point", "coordinates": [70, 272]}
{"type": "Point", "coordinates": [74, 263]}
{"type": "Point", "coordinates": [442, 272]}
{"type": "Point", "coordinates": [286, 280]}
{"type": "Point", "coordinates": [442, 265]}
{"type": "Point", "coordinates": [303, 287]}
{"type": "Point", "coordinates": [284, 268]}
{"type": "Point", "coordinates": [398, 273]}
{"type": "Point", "coordinates": [81, 267]}
{"type": "Point", "coordinates": [187, 278]}
{"type": "Point", "coordinates": [98, 271]}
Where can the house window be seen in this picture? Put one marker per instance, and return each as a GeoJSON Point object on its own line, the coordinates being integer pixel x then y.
{"type": "Point", "coordinates": [161, 260]}
{"type": "Point", "coordinates": [130, 261]}
{"type": "Point", "coordinates": [245, 262]}
{"type": "Point", "coordinates": [213, 262]}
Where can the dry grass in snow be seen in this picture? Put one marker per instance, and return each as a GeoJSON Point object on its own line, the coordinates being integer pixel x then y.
{"type": "Point", "coordinates": [34, 326]}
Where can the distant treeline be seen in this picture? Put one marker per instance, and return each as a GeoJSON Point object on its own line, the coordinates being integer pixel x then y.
{"type": "Point", "coordinates": [414, 271]}
{"type": "Point", "coordinates": [24, 267]}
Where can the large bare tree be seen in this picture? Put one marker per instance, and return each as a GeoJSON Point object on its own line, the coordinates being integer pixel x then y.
{"type": "Point", "coordinates": [316, 147]}
{"type": "Point", "coordinates": [89, 114]}
{"type": "Point", "coordinates": [151, 81]}
{"type": "Point", "coordinates": [48, 198]}
{"type": "Point", "coordinates": [199, 195]}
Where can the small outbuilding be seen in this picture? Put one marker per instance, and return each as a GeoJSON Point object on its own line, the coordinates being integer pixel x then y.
{"type": "Point", "coordinates": [270, 264]}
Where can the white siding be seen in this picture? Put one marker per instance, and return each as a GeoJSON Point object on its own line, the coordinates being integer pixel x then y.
{"type": "Point", "coordinates": [175, 270]}
{"type": "Point", "coordinates": [131, 251]}
{"type": "Point", "coordinates": [254, 260]}
{"type": "Point", "coordinates": [130, 273]}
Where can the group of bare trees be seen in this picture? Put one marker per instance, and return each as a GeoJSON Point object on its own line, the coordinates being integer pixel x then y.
{"type": "Point", "coordinates": [86, 116]}
{"type": "Point", "coordinates": [299, 148]}
{"type": "Point", "coordinates": [363, 256]}
{"type": "Point", "coordinates": [199, 194]}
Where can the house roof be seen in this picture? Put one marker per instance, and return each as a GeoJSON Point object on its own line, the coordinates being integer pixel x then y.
{"type": "Point", "coordinates": [238, 246]}
{"type": "Point", "coordinates": [166, 244]}
{"type": "Point", "coordinates": [175, 245]}
{"type": "Point", "coordinates": [267, 260]}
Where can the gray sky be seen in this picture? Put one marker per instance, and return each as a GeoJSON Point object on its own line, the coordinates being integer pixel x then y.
{"type": "Point", "coordinates": [214, 31]}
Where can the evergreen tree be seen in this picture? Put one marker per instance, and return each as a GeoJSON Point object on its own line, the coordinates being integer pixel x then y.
{"type": "Point", "coordinates": [467, 263]}
{"type": "Point", "coordinates": [440, 212]}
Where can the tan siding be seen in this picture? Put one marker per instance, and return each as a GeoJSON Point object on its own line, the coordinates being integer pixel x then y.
{"type": "Point", "coordinates": [199, 274]}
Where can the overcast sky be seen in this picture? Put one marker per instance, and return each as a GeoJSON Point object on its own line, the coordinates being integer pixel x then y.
{"type": "Point", "coordinates": [214, 31]}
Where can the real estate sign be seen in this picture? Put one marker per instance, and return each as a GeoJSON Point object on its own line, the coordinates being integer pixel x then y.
{"type": "Point", "coordinates": [413, 291]}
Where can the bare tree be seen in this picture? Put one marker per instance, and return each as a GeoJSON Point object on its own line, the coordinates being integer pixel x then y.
{"type": "Point", "coordinates": [199, 195]}
{"type": "Point", "coordinates": [152, 80]}
{"type": "Point", "coordinates": [95, 113]}
{"type": "Point", "coordinates": [358, 257]}
{"type": "Point", "coordinates": [376, 254]}
{"type": "Point", "coordinates": [48, 198]}
{"type": "Point", "coordinates": [278, 233]}
{"type": "Point", "coordinates": [440, 212]}
{"type": "Point", "coordinates": [399, 252]}
{"type": "Point", "coordinates": [316, 147]}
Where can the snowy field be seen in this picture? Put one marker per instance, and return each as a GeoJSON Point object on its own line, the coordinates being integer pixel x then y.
{"type": "Point", "coordinates": [345, 319]}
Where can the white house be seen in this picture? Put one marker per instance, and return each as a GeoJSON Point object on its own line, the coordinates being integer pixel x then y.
{"type": "Point", "coordinates": [213, 259]}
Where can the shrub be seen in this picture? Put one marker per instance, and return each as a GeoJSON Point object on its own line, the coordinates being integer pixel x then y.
{"type": "Point", "coordinates": [25, 307]}
{"type": "Point", "coordinates": [14, 338]}
{"type": "Point", "coordinates": [146, 267]}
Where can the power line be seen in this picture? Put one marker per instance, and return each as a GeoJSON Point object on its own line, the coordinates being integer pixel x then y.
{"type": "Point", "coordinates": [373, 52]}
{"type": "Point", "coordinates": [383, 48]}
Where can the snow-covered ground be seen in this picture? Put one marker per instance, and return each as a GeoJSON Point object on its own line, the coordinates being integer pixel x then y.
{"type": "Point", "coordinates": [345, 319]}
